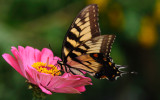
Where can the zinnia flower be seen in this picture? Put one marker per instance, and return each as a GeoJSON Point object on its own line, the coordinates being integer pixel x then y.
{"type": "Point", "coordinates": [40, 68]}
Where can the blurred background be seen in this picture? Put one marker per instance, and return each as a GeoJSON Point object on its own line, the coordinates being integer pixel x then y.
{"type": "Point", "coordinates": [38, 23]}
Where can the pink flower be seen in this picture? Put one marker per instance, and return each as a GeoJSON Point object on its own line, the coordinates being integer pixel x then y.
{"type": "Point", "coordinates": [40, 68]}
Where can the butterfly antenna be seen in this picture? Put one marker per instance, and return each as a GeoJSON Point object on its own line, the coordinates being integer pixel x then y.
{"type": "Point", "coordinates": [51, 50]}
{"type": "Point", "coordinates": [50, 47]}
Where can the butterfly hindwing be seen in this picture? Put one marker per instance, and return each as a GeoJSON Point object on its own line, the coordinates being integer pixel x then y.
{"type": "Point", "coordinates": [95, 64]}
{"type": "Point", "coordinates": [85, 63]}
{"type": "Point", "coordinates": [84, 27]}
{"type": "Point", "coordinates": [99, 44]}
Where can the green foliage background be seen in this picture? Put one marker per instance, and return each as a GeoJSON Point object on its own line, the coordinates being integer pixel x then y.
{"type": "Point", "coordinates": [38, 23]}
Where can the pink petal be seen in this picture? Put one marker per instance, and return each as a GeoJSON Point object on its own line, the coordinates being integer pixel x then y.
{"type": "Point", "coordinates": [56, 81]}
{"type": "Point", "coordinates": [37, 55]}
{"type": "Point", "coordinates": [60, 84]}
{"type": "Point", "coordinates": [65, 75]}
{"type": "Point", "coordinates": [81, 88]}
{"type": "Point", "coordinates": [13, 63]}
{"type": "Point", "coordinates": [39, 78]}
{"type": "Point", "coordinates": [14, 51]}
{"type": "Point", "coordinates": [76, 81]}
{"type": "Point", "coordinates": [66, 90]}
{"type": "Point", "coordinates": [45, 54]}
{"type": "Point", "coordinates": [21, 56]}
{"type": "Point", "coordinates": [45, 79]}
{"type": "Point", "coordinates": [34, 74]}
{"type": "Point", "coordinates": [21, 64]}
{"type": "Point", "coordinates": [29, 53]}
{"type": "Point", "coordinates": [49, 82]}
{"type": "Point", "coordinates": [54, 61]}
{"type": "Point", "coordinates": [44, 90]}
{"type": "Point", "coordinates": [21, 50]}
{"type": "Point", "coordinates": [29, 77]}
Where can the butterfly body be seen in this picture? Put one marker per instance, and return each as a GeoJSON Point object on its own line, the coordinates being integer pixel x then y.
{"type": "Point", "coordinates": [108, 69]}
{"type": "Point", "coordinates": [84, 50]}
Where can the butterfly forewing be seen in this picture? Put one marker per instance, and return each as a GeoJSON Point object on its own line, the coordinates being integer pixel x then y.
{"type": "Point", "coordinates": [84, 27]}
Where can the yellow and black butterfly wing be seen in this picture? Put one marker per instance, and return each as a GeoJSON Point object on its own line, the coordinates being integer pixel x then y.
{"type": "Point", "coordinates": [83, 64]}
{"type": "Point", "coordinates": [84, 27]}
{"type": "Point", "coordinates": [99, 44]}
{"type": "Point", "coordinates": [85, 50]}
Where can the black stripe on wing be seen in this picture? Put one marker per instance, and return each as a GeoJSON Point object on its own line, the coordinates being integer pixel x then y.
{"type": "Point", "coordinates": [99, 44]}
{"type": "Point", "coordinates": [95, 64]}
{"type": "Point", "coordinates": [107, 44]}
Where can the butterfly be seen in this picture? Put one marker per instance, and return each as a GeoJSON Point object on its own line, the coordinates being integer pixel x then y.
{"type": "Point", "coordinates": [85, 50]}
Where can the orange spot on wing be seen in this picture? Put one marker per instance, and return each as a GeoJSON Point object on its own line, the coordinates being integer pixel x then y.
{"type": "Point", "coordinates": [103, 76]}
{"type": "Point", "coordinates": [104, 59]}
{"type": "Point", "coordinates": [110, 63]}
{"type": "Point", "coordinates": [95, 55]}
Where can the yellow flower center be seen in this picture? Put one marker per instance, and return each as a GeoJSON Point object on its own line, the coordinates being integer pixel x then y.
{"type": "Point", "coordinates": [46, 68]}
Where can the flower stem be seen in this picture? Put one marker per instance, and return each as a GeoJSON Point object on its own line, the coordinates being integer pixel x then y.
{"type": "Point", "coordinates": [37, 92]}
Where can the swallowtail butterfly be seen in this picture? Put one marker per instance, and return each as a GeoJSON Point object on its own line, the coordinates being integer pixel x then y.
{"type": "Point", "coordinates": [84, 50]}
